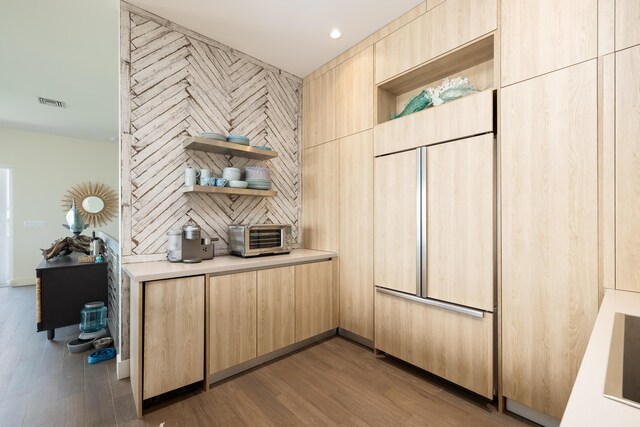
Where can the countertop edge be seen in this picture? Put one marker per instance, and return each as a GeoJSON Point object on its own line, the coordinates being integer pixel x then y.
{"type": "Point", "coordinates": [587, 405]}
{"type": "Point", "coordinates": [220, 265]}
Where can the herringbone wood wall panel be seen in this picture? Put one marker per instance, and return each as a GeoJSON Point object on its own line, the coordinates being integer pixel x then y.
{"type": "Point", "coordinates": [177, 83]}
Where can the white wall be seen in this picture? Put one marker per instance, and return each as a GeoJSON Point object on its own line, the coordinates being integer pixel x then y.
{"type": "Point", "coordinates": [44, 168]}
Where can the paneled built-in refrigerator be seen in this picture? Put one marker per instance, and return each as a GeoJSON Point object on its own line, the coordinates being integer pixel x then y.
{"type": "Point", "coordinates": [435, 238]}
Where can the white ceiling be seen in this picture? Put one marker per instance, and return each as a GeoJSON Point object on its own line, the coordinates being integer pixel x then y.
{"type": "Point", "coordinates": [291, 35]}
{"type": "Point", "coordinates": [66, 50]}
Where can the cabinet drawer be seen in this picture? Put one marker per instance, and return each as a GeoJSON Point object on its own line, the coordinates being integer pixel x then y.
{"type": "Point", "coordinates": [452, 345]}
{"type": "Point", "coordinates": [445, 27]}
{"type": "Point", "coordinates": [468, 116]}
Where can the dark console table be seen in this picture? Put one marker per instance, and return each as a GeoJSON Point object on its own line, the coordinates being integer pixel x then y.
{"type": "Point", "coordinates": [63, 287]}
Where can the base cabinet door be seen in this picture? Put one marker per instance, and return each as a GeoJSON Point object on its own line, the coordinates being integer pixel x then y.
{"type": "Point", "coordinates": [452, 345]}
{"type": "Point", "coordinates": [233, 320]}
{"type": "Point", "coordinates": [174, 319]}
{"type": "Point", "coordinates": [276, 309]}
{"type": "Point", "coordinates": [315, 311]}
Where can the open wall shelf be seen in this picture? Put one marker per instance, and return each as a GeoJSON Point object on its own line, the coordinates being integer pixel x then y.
{"type": "Point", "coordinates": [227, 148]}
{"type": "Point", "coordinates": [228, 191]}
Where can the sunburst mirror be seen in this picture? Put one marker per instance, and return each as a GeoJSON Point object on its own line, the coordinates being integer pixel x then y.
{"type": "Point", "coordinates": [95, 201]}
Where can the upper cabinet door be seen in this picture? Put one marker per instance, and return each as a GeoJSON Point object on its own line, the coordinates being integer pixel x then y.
{"type": "Point", "coordinates": [318, 118]}
{"type": "Point", "coordinates": [627, 23]}
{"type": "Point", "coordinates": [628, 169]}
{"type": "Point", "coordinates": [443, 28]}
{"type": "Point", "coordinates": [549, 233]}
{"type": "Point", "coordinates": [539, 36]}
{"type": "Point", "coordinates": [395, 221]}
{"type": "Point", "coordinates": [354, 94]}
{"type": "Point", "coordinates": [320, 204]}
{"type": "Point", "coordinates": [460, 211]}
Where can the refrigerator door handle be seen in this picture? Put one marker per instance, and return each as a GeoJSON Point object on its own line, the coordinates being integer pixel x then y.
{"type": "Point", "coordinates": [423, 222]}
{"type": "Point", "coordinates": [419, 241]}
{"type": "Point", "coordinates": [434, 303]}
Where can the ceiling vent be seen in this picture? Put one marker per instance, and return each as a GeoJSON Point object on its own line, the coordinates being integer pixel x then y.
{"type": "Point", "coordinates": [52, 102]}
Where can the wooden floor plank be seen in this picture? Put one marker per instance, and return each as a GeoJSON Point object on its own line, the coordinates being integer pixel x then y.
{"type": "Point", "coordinates": [333, 383]}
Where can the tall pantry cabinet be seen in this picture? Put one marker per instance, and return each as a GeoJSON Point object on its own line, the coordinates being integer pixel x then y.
{"type": "Point", "coordinates": [337, 181]}
{"type": "Point", "coordinates": [627, 161]}
{"type": "Point", "coordinates": [549, 175]}
{"type": "Point", "coordinates": [549, 233]}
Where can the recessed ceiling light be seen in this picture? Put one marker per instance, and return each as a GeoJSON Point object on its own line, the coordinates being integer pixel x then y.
{"type": "Point", "coordinates": [335, 33]}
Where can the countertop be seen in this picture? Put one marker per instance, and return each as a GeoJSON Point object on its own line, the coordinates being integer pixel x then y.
{"type": "Point", "coordinates": [587, 405]}
{"type": "Point", "coordinates": [158, 270]}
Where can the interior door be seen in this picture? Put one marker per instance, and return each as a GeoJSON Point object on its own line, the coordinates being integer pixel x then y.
{"type": "Point", "coordinates": [460, 218]}
{"type": "Point", "coordinates": [396, 221]}
{"type": "Point", "coordinates": [5, 226]}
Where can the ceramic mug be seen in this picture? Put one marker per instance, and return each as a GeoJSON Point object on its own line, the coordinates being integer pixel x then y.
{"type": "Point", "coordinates": [190, 176]}
{"type": "Point", "coordinates": [211, 181]}
{"type": "Point", "coordinates": [221, 182]}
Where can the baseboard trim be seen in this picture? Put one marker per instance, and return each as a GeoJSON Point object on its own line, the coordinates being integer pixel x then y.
{"type": "Point", "coordinates": [355, 338]}
{"type": "Point", "coordinates": [532, 414]}
{"type": "Point", "coordinates": [23, 281]}
{"type": "Point", "coordinates": [122, 368]}
{"type": "Point", "coordinates": [235, 370]}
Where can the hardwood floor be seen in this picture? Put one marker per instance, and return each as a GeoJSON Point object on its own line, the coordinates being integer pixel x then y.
{"type": "Point", "coordinates": [42, 384]}
{"type": "Point", "coordinates": [332, 383]}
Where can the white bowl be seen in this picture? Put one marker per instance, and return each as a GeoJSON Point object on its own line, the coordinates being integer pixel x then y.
{"type": "Point", "coordinates": [238, 184]}
{"type": "Point", "coordinates": [231, 170]}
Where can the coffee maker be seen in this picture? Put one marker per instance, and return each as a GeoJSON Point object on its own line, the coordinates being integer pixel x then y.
{"type": "Point", "coordinates": [191, 244]}
{"type": "Point", "coordinates": [187, 244]}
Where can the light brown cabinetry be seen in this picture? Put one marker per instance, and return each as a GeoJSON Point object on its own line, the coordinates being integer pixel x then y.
{"type": "Point", "coordinates": [549, 233]}
{"type": "Point", "coordinates": [443, 28]}
{"type": "Point", "coordinates": [320, 171]}
{"type": "Point", "coordinates": [276, 309]}
{"type": "Point", "coordinates": [173, 334]}
{"type": "Point", "coordinates": [319, 110]}
{"type": "Point", "coordinates": [232, 330]}
{"type": "Point", "coordinates": [627, 119]}
{"type": "Point", "coordinates": [315, 311]}
{"type": "Point", "coordinates": [607, 172]}
{"type": "Point", "coordinates": [354, 94]}
{"type": "Point", "coordinates": [452, 345]}
{"type": "Point", "coordinates": [460, 216]}
{"type": "Point", "coordinates": [539, 36]}
{"type": "Point", "coordinates": [627, 23]}
{"type": "Point", "coordinates": [395, 221]}
{"type": "Point", "coordinates": [356, 234]}
{"type": "Point", "coordinates": [464, 117]}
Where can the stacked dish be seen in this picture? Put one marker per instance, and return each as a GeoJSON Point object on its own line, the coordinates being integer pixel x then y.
{"type": "Point", "coordinates": [231, 174]}
{"type": "Point", "coordinates": [213, 135]}
{"type": "Point", "coordinates": [259, 184]}
{"type": "Point", "coordinates": [262, 147]}
{"type": "Point", "coordinates": [256, 172]}
{"type": "Point", "coordinates": [238, 139]}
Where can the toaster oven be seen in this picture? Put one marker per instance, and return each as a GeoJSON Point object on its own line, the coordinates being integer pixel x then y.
{"type": "Point", "coordinates": [259, 239]}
